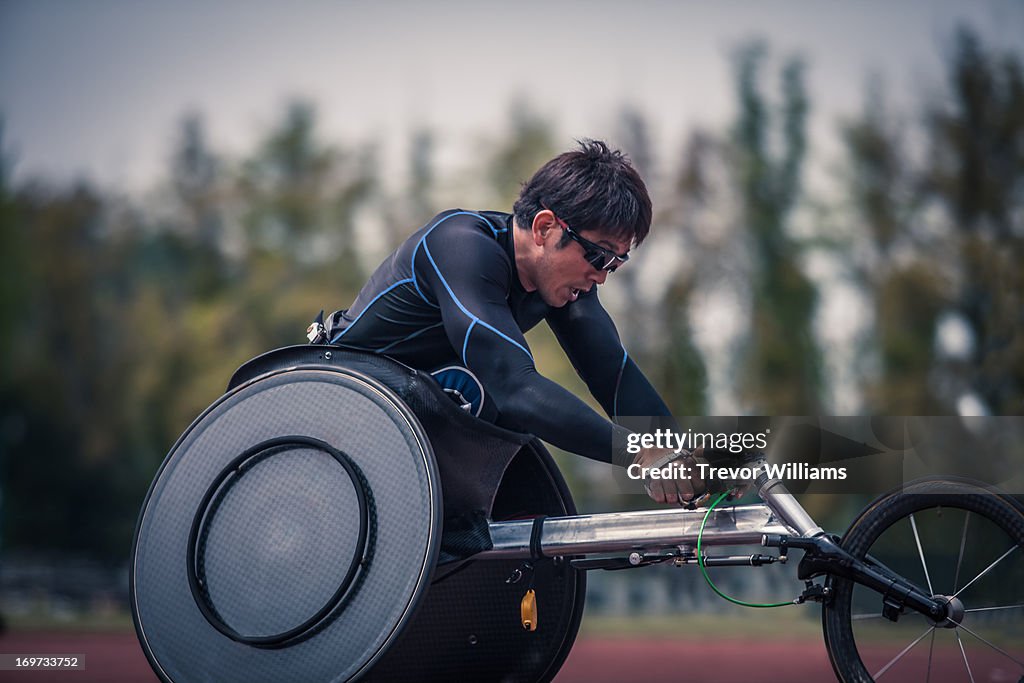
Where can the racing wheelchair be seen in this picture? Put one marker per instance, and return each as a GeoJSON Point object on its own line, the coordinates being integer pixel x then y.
{"type": "Point", "coordinates": [334, 516]}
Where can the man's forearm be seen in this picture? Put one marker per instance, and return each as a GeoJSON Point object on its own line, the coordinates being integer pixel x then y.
{"type": "Point", "coordinates": [541, 407]}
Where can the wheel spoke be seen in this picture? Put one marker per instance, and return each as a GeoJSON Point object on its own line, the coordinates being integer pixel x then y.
{"type": "Point", "coordinates": [920, 552]}
{"type": "Point", "coordinates": [990, 644]}
{"type": "Point", "coordinates": [858, 617]}
{"type": "Point", "coordinates": [931, 646]}
{"type": "Point", "coordinates": [903, 614]}
{"type": "Point", "coordinates": [990, 609]}
{"type": "Point", "coordinates": [882, 529]}
{"type": "Point", "coordinates": [964, 653]}
{"type": "Point", "coordinates": [900, 655]}
{"type": "Point", "coordinates": [959, 560]}
{"type": "Point", "coordinates": [986, 570]}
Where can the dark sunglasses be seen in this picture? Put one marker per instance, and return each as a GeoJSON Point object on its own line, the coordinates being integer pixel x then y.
{"type": "Point", "coordinates": [596, 255]}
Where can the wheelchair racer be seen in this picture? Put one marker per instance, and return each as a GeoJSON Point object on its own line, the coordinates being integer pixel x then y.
{"type": "Point", "coordinates": [457, 296]}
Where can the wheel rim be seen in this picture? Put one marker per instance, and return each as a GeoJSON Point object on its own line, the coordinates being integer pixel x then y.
{"type": "Point", "coordinates": [964, 555]}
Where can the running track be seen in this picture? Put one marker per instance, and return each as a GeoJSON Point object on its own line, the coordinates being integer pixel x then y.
{"type": "Point", "coordinates": [117, 658]}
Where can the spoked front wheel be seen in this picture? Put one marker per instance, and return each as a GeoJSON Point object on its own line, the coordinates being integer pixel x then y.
{"type": "Point", "coordinates": [950, 539]}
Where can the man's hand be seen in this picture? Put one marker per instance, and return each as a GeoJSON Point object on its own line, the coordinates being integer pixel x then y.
{"type": "Point", "coordinates": [680, 486]}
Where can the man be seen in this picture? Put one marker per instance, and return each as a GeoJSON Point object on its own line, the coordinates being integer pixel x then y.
{"type": "Point", "coordinates": [462, 290]}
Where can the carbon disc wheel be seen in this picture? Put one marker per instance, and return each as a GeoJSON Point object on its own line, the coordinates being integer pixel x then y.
{"type": "Point", "coordinates": [952, 539]}
{"type": "Point", "coordinates": [289, 535]}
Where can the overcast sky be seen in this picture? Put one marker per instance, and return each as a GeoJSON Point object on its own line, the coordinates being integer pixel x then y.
{"type": "Point", "coordinates": [97, 87]}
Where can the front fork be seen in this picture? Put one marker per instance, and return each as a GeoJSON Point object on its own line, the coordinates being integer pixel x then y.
{"type": "Point", "coordinates": [824, 557]}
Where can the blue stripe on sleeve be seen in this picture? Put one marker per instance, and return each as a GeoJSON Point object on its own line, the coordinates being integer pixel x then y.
{"type": "Point", "coordinates": [465, 342]}
{"type": "Point", "coordinates": [412, 264]}
{"type": "Point", "coordinates": [368, 306]}
{"type": "Point", "coordinates": [618, 381]}
{"type": "Point", "coordinates": [490, 225]}
{"type": "Point", "coordinates": [406, 338]}
{"type": "Point", "coordinates": [474, 318]}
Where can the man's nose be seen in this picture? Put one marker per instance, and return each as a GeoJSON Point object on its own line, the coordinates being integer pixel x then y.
{"type": "Point", "coordinates": [599, 276]}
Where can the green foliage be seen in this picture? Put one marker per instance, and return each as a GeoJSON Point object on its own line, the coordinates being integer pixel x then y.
{"type": "Point", "coordinates": [68, 350]}
{"type": "Point", "coordinates": [120, 327]}
{"type": "Point", "coordinates": [962, 258]}
{"type": "Point", "coordinates": [907, 293]}
{"type": "Point", "coordinates": [414, 205]}
{"type": "Point", "coordinates": [783, 371]}
{"type": "Point", "coordinates": [682, 376]}
{"type": "Point", "coordinates": [529, 144]}
{"type": "Point", "coordinates": [655, 329]}
{"type": "Point", "coordinates": [12, 267]}
{"type": "Point", "coordinates": [300, 198]}
{"type": "Point", "coordinates": [120, 322]}
{"type": "Point", "coordinates": [976, 172]}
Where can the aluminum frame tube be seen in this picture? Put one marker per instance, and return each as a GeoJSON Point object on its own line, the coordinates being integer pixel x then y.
{"type": "Point", "coordinates": [646, 530]}
{"type": "Point", "coordinates": [777, 497]}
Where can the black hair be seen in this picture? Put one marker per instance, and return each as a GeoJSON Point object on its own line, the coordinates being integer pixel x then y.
{"type": "Point", "coordinates": [592, 188]}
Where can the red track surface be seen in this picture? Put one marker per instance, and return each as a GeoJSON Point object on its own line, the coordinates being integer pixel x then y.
{"type": "Point", "coordinates": [616, 660]}
{"type": "Point", "coordinates": [109, 657]}
{"type": "Point", "coordinates": [117, 658]}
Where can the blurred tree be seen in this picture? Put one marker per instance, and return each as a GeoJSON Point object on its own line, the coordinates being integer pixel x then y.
{"type": "Point", "coordinates": [421, 173]}
{"type": "Point", "coordinates": [783, 373]}
{"type": "Point", "coordinates": [405, 213]}
{"type": "Point", "coordinates": [898, 268]}
{"type": "Point", "coordinates": [285, 183]}
{"type": "Point", "coordinates": [682, 378]}
{"type": "Point", "coordinates": [121, 325]}
{"type": "Point", "coordinates": [64, 391]}
{"type": "Point", "coordinates": [705, 247]}
{"type": "Point", "coordinates": [638, 314]}
{"type": "Point", "coordinates": [654, 320]}
{"type": "Point", "coordinates": [200, 192]}
{"type": "Point", "coordinates": [634, 133]}
{"type": "Point", "coordinates": [12, 255]}
{"type": "Point", "coordinates": [195, 172]}
{"type": "Point", "coordinates": [301, 199]}
{"type": "Point", "coordinates": [530, 143]}
{"type": "Point", "coordinates": [976, 173]}
{"type": "Point", "coordinates": [12, 264]}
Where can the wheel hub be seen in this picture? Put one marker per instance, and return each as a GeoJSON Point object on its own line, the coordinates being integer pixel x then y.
{"type": "Point", "coordinates": [954, 613]}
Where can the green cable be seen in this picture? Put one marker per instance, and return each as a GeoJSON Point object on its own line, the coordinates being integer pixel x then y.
{"type": "Point", "coordinates": [703, 569]}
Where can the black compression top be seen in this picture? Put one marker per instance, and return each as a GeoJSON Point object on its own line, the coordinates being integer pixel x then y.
{"type": "Point", "coordinates": [451, 294]}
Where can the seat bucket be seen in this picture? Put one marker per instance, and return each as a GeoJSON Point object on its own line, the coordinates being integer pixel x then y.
{"type": "Point", "coordinates": [318, 522]}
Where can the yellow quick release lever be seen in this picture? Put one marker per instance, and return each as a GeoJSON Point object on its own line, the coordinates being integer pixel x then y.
{"type": "Point", "coordinates": [528, 610]}
{"type": "Point", "coordinates": [528, 605]}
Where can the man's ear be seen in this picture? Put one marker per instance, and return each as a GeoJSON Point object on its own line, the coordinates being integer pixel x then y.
{"type": "Point", "coordinates": [543, 223]}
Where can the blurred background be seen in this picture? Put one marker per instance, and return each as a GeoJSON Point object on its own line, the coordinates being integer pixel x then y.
{"type": "Point", "coordinates": [839, 223]}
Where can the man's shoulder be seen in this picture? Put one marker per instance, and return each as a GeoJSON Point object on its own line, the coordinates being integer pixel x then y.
{"type": "Point", "coordinates": [455, 221]}
{"type": "Point", "coordinates": [465, 234]}
{"type": "Point", "coordinates": [459, 243]}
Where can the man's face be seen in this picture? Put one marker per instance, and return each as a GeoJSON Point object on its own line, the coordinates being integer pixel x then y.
{"type": "Point", "coordinates": [563, 272]}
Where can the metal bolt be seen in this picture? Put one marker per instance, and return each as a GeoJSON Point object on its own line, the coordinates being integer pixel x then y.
{"type": "Point", "coordinates": [327, 355]}
{"type": "Point", "coordinates": [635, 558]}
{"type": "Point", "coordinates": [472, 639]}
